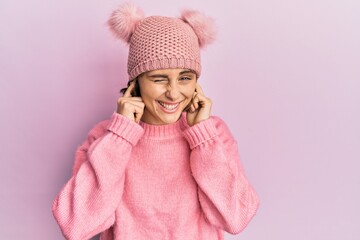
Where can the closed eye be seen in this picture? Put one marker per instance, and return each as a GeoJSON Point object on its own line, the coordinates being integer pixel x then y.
{"type": "Point", "coordinates": [159, 80]}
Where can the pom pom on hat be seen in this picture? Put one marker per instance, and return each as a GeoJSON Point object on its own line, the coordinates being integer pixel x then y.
{"type": "Point", "coordinates": [202, 25]}
{"type": "Point", "coordinates": [159, 42]}
{"type": "Point", "coordinates": [124, 20]}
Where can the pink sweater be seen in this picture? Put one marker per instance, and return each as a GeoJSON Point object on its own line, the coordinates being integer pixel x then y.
{"type": "Point", "coordinates": [140, 181]}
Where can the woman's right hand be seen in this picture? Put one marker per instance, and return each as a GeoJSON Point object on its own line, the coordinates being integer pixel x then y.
{"type": "Point", "coordinates": [129, 106]}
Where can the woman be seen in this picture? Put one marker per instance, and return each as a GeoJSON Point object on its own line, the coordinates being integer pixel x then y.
{"type": "Point", "coordinates": [162, 167]}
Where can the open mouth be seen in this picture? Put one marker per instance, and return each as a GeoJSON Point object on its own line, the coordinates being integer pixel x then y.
{"type": "Point", "coordinates": [168, 107]}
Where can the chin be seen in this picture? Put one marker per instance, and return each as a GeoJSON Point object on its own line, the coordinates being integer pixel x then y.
{"type": "Point", "coordinates": [170, 119]}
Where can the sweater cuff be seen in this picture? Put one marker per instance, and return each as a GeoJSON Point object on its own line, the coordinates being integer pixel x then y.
{"type": "Point", "coordinates": [200, 132]}
{"type": "Point", "coordinates": [125, 128]}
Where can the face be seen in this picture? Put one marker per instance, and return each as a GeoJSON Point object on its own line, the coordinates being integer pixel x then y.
{"type": "Point", "coordinates": [166, 93]}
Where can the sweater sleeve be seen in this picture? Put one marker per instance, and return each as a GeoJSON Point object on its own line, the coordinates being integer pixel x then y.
{"type": "Point", "coordinates": [81, 152]}
{"type": "Point", "coordinates": [227, 199]}
{"type": "Point", "coordinates": [86, 205]}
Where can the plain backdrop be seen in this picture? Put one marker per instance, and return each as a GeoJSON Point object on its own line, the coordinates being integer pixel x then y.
{"type": "Point", "coordinates": [283, 74]}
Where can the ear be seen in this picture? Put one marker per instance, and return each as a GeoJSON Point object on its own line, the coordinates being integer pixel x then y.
{"type": "Point", "coordinates": [203, 26]}
{"type": "Point", "coordinates": [124, 20]}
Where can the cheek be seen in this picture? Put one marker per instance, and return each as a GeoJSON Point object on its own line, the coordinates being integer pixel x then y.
{"type": "Point", "coordinates": [189, 91]}
{"type": "Point", "coordinates": [147, 91]}
{"type": "Point", "coordinates": [149, 95]}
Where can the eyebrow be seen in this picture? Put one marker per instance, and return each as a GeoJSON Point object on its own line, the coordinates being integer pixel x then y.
{"type": "Point", "coordinates": [166, 76]}
{"type": "Point", "coordinates": [158, 76]}
{"type": "Point", "coordinates": [187, 71]}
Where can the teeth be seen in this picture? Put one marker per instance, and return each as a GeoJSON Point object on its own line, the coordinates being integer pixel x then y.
{"type": "Point", "coordinates": [168, 106]}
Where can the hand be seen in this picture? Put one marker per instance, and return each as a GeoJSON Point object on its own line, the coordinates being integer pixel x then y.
{"type": "Point", "coordinates": [199, 108]}
{"type": "Point", "coordinates": [129, 106]}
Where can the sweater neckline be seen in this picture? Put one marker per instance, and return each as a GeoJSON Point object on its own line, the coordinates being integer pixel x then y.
{"type": "Point", "coordinates": [167, 130]}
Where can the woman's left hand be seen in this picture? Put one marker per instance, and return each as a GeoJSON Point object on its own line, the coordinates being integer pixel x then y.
{"type": "Point", "coordinates": [199, 108]}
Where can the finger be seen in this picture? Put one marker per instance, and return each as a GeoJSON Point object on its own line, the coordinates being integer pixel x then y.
{"type": "Point", "coordinates": [193, 99]}
{"type": "Point", "coordinates": [129, 89]}
{"type": "Point", "coordinates": [199, 89]}
{"type": "Point", "coordinates": [135, 113]}
{"type": "Point", "coordinates": [191, 103]}
{"type": "Point", "coordinates": [126, 99]}
{"type": "Point", "coordinates": [187, 108]}
{"type": "Point", "coordinates": [126, 106]}
{"type": "Point", "coordinates": [123, 102]}
{"type": "Point", "coordinates": [128, 103]}
{"type": "Point", "coordinates": [196, 103]}
{"type": "Point", "coordinates": [137, 104]}
{"type": "Point", "coordinates": [202, 100]}
{"type": "Point", "coordinates": [136, 99]}
{"type": "Point", "coordinates": [192, 108]}
{"type": "Point", "coordinates": [138, 114]}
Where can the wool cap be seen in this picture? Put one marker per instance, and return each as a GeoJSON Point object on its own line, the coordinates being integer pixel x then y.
{"type": "Point", "coordinates": [159, 42]}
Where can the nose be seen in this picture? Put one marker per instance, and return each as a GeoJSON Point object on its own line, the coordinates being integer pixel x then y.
{"type": "Point", "coordinates": [173, 92]}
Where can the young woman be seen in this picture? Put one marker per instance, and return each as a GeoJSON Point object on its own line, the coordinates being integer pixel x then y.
{"type": "Point", "coordinates": [161, 167]}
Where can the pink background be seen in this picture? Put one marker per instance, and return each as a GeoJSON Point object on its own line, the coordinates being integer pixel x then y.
{"type": "Point", "coordinates": [284, 75]}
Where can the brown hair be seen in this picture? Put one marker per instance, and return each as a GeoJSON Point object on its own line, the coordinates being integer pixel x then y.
{"type": "Point", "coordinates": [136, 90]}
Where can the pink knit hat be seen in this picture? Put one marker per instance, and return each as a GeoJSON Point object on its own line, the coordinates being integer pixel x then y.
{"type": "Point", "coordinates": [158, 42]}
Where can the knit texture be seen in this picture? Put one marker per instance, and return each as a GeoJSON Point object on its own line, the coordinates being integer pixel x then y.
{"type": "Point", "coordinates": [140, 181]}
{"type": "Point", "coordinates": [163, 42]}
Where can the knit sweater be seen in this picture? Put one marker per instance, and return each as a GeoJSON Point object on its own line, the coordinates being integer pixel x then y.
{"type": "Point", "coordinates": [141, 181]}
